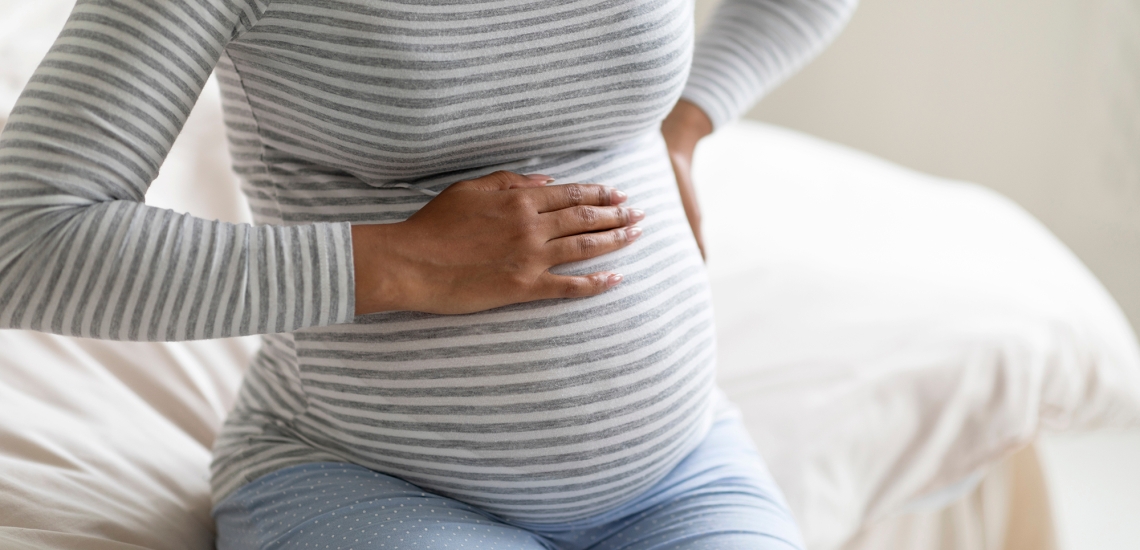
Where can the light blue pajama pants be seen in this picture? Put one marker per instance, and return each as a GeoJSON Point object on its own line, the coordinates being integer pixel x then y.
{"type": "Point", "coordinates": [720, 497]}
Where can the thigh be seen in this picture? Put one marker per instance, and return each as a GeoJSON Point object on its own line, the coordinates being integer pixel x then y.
{"type": "Point", "coordinates": [343, 506]}
{"type": "Point", "coordinates": [727, 515]}
{"type": "Point", "coordinates": [721, 497]}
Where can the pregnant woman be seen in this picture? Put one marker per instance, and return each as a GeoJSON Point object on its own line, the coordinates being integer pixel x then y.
{"type": "Point", "coordinates": [459, 351]}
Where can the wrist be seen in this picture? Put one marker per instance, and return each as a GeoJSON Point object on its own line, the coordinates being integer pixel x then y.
{"type": "Point", "coordinates": [374, 269]}
{"type": "Point", "coordinates": [684, 127]}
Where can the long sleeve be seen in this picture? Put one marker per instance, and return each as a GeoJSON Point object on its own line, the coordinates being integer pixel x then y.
{"type": "Point", "coordinates": [750, 46]}
{"type": "Point", "coordinates": [80, 254]}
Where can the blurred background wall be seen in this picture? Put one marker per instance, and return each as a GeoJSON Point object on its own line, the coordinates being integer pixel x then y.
{"type": "Point", "coordinates": [1037, 99]}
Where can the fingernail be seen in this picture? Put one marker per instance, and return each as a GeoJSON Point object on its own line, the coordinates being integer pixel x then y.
{"type": "Point", "coordinates": [617, 197]}
{"type": "Point", "coordinates": [636, 215]}
{"type": "Point", "coordinates": [614, 279]}
{"type": "Point", "coordinates": [632, 233]}
{"type": "Point", "coordinates": [540, 177]}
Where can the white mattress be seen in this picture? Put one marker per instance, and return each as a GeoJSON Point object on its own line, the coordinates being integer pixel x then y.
{"type": "Point", "coordinates": [888, 335]}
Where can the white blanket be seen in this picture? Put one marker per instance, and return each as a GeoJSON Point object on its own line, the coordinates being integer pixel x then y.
{"type": "Point", "coordinates": [890, 334]}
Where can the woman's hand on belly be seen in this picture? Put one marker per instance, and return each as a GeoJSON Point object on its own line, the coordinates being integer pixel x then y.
{"type": "Point", "coordinates": [682, 129]}
{"type": "Point", "coordinates": [490, 242]}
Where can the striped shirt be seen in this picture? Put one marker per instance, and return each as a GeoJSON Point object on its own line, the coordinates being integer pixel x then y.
{"type": "Point", "coordinates": [345, 112]}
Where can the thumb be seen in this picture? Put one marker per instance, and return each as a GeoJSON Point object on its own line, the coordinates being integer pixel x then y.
{"type": "Point", "coordinates": [550, 286]}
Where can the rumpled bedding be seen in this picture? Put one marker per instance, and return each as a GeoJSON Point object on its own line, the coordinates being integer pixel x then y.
{"type": "Point", "coordinates": [890, 335]}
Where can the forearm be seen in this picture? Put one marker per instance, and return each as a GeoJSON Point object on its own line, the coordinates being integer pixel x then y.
{"type": "Point", "coordinates": [125, 271]}
{"type": "Point", "coordinates": [682, 129]}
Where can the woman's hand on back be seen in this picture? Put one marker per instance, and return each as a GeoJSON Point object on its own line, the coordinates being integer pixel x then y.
{"type": "Point", "coordinates": [682, 129]}
{"type": "Point", "coordinates": [490, 242]}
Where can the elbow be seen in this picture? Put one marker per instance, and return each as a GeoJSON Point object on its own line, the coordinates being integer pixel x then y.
{"type": "Point", "coordinates": [31, 240]}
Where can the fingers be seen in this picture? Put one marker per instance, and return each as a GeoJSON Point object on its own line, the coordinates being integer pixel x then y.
{"type": "Point", "coordinates": [585, 219]}
{"type": "Point", "coordinates": [557, 197]}
{"type": "Point", "coordinates": [503, 180]}
{"type": "Point", "coordinates": [547, 199]}
{"type": "Point", "coordinates": [550, 286]}
{"type": "Point", "coordinates": [590, 245]}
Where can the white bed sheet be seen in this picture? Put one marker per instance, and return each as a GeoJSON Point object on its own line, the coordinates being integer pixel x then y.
{"type": "Point", "coordinates": [887, 334]}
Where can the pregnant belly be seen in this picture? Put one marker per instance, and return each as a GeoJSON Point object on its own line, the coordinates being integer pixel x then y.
{"type": "Point", "coordinates": [546, 411]}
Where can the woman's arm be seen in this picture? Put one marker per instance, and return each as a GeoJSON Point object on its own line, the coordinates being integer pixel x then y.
{"type": "Point", "coordinates": [80, 254]}
{"type": "Point", "coordinates": [749, 47]}
{"type": "Point", "coordinates": [683, 128]}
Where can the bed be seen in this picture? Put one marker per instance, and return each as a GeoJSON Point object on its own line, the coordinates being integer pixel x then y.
{"type": "Point", "coordinates": [895, 341]}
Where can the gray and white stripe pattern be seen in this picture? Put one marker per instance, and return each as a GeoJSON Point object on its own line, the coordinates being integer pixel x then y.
{"type": "Point", "coordinates": [751, 46]}
{"type": "Point", "coordinates": [82, 255]}
{"type": "Point", "coordinates": [358, 111]}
